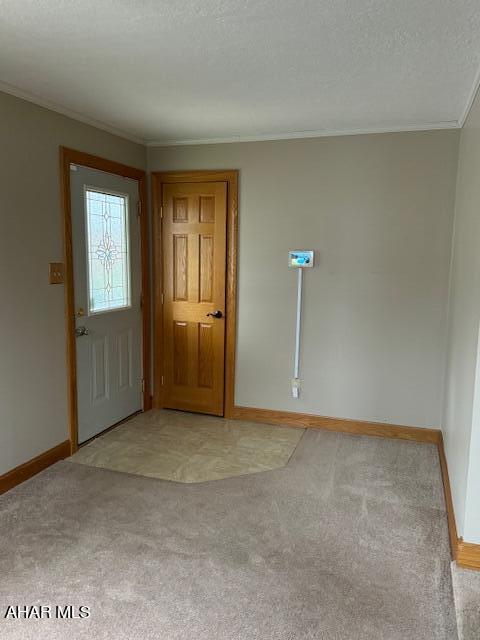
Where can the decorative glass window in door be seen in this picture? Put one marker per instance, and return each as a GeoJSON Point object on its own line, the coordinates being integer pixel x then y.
{"type": "Point", "coordinates": [108, 251]}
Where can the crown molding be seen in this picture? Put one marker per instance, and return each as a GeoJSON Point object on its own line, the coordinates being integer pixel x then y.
{"type": "Point", "coordinates": [318, 133]}
{"type": "Point", "coordinates": [471, 98]}
{"type": "Point", "coordinates": [289, 135]}
{"type": "Point", "coordinates": [65, 111]}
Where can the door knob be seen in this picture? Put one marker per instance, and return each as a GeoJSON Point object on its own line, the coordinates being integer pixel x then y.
{"type": "Point", "coordinates": [81, 331]}
{"type": "Point", "coordinates": [216, 314]}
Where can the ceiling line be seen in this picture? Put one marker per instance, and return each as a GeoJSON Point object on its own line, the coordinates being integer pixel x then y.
{"type": "Point", "coordinates": [319, 133]}
{"type": "Point", "coordinates": [471, 98]}
{"type": "Point", "coordinates": [292, 135]}
{"type": "Point", "coordinates": [65, 111]}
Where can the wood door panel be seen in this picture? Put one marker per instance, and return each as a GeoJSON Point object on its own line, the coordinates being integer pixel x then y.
{"type": "Point", "coordinates": [207, 209]}
{"type": "Point", "coordinates": [180, 353]}
{"type": "Point", "coordinates": [194, 250]}
{"type": "Point", "coordinates": [180, 209]}
{"type": "Point", "coordinates": [206, 356]}
{"type": "Point", "coordinates": [193, 269]}
{"type": "Point", "coordinates": [186, 312]}
{"type": "Point", "coordinates": [180, 266]}
{"type": "Point", "coordinates": [206, 267]}
{"type": "Point", "coordinates": [194, 227]}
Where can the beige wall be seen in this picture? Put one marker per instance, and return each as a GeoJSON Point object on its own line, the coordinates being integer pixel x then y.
{"type": "Point", "coordinates": [462, 393]}
{"type": "Point", "coordinates": [378, 209]}
{"type": "Point", "coordinates": [33, 411]}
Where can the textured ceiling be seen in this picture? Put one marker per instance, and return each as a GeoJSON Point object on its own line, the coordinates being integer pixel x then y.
{"type": "Point", "coordinates": [182, 70]}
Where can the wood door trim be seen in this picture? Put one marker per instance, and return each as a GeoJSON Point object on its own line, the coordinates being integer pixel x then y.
{"type": "Point", "coordinates": [168, 177]}
{"type": "Point", "coordinates": [68, 157]}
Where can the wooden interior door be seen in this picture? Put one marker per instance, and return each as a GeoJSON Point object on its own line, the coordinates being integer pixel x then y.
{"type": "Point", "coordinates": [194, 267]}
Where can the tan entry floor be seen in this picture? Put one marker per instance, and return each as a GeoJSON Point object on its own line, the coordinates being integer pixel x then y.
{"type": "Point", "coordinates": [186, 447]}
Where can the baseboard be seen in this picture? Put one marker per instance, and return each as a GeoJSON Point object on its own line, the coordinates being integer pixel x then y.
{"type": "Point", "coordinates": [452, 525]}
{"type": "Point", "coordinates": [35, 465]}
{"type": "Point", "coordinates": [466, 554]}
{"type": "Point", "coordinates": [357, 427]}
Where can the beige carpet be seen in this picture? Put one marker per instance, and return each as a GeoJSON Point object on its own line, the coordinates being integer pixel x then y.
{"type": "Point", "coordinates": [466, 590]}
{"type": "Point", "coordinates": [348, 541]}
{"type": "Point", "coordinates": [185, 447]}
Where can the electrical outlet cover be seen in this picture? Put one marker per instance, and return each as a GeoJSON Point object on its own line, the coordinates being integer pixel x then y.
{"type": "Point", "coordinates": [57, 274]}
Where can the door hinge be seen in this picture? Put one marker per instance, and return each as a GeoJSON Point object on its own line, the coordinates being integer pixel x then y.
{"type": "Point", "coordinates": [163, 298]}
{"type": "Point", "coordinates": [143, 385]}
{"type": "Point", "coordinates": [141, 301]}
{"type": "Point", "coordinates": [139, 208]}
{"type": "Point", "coordinates": [161, 211]}
{"type": "Point", "coordinates": [162, 381]}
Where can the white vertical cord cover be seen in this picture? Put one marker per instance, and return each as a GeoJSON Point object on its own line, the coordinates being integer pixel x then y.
{"type": "Point", "coordinates": [296, 366]}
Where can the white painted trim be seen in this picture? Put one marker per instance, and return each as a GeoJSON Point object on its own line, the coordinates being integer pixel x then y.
{"type": "Point", "coordinates": [64, 111]}
{"type": "Point", "coordinates": [471, 98]}
{"type": "Point", "coordinates": [320, 133]}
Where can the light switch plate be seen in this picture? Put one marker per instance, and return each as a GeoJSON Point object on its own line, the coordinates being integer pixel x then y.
{"type": "Point", "coordinates": [57, 273]}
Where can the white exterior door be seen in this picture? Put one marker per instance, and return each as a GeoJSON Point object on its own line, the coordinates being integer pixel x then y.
{"type": "Point", "coordinates": [107, 282]}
